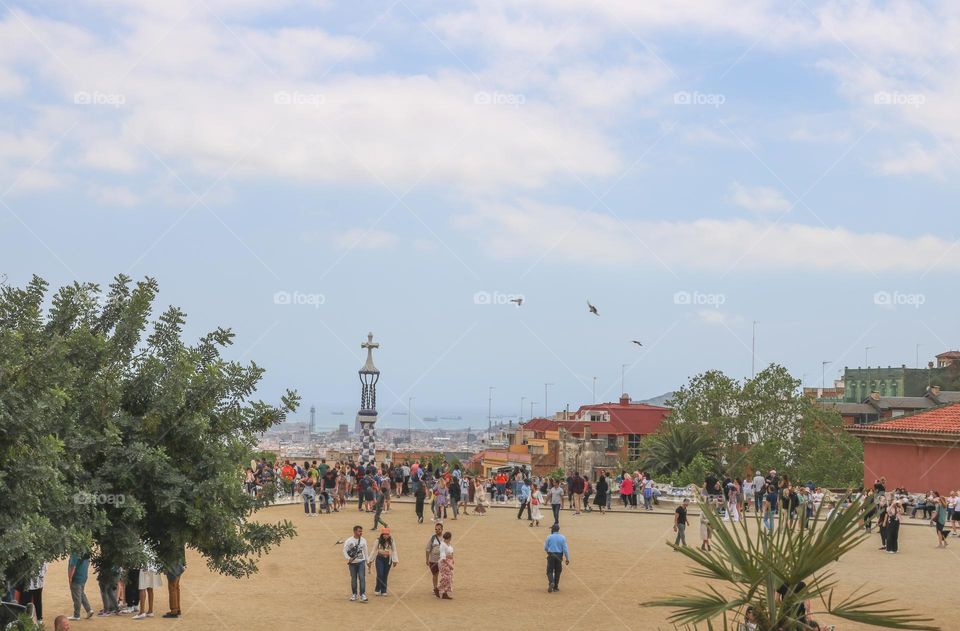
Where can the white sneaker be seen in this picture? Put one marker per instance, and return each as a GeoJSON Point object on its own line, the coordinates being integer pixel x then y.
{"type": "Point", "coordinates": [353, 597]}
{"type": "Point", "coordinates": [150, 615]}
{"type": "Point", "coordinates": [73, 618]}
{"type": "Point", "coordinates": [139, 616]}
{"type": "Point", "coordinates": [363, 598]}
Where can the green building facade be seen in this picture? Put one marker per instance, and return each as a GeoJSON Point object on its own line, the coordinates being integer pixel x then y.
{"type": "Point", "coordinates": [889, 382]}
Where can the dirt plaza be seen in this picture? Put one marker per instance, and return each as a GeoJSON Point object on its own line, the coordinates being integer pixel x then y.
{"type": "Point", "coordinates": [618, 562]}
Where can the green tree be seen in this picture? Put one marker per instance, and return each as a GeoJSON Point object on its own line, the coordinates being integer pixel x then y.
{"type": "Point", "coordinates": [748, 565]}
{"type": "Point", "coordinates": [153, 434]}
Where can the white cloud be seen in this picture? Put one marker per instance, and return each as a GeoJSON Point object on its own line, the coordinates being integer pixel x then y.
{"type": "Point", "coordinates": [913, 159]}
{"type": "Point", "coordinates": [717, 317]}
{"type": "Point", "coordinates": [533, 231]}
{"type": "Point", "coordinates": [116, 196]}
{"type": "Point", "coordinates": [758, 199]}
{"type": "Point", "coordinates": [363, 239]}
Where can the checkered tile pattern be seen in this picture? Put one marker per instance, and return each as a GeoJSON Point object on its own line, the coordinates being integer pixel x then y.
{"type": "Point", "coordinates": [368, 442]}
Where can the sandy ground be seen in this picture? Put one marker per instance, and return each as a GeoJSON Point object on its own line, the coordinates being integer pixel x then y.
{"type": "Point", "coordinates": [619, 561]}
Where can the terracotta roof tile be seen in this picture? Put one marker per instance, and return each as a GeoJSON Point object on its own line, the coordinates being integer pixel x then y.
{"type": "Point", "coordinates": [941, 420]}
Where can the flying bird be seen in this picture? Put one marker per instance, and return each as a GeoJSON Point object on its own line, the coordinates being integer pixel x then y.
{"type": "Point", "coordinates": [636, 342]}
{"type": "Point", "coordinates": [519, 301]}
{"type": "Point", "coordinates": [592, 309]}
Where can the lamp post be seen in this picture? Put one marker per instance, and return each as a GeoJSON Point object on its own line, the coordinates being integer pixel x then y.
{"type": "Point", "coordinates": [823, 373]}
{"type": "Point", "coordinates": [866, 356]}
{"type": "Point", "coordinates": [409, 425]}
{"type": "Point", "coordinates": [532, 403]}
{"type": "Point", "coordinates": [545, 397]}
{"type": "Point", "coordinates": [594, 389]}
{"type": "Point", "coordinates": [522, 399]}
{"type": "Point", "coordinates": [490, 410]}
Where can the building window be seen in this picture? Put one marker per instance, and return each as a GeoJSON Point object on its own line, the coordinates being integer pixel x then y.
{"type": "Point", "coordinates": [611, 443]}
{"type": "Point", "coordinates": [633, 447]}
{"type": "Point", "coordinates": [893, 389]}
{"type": "Point", "coordinates": [597, 417]}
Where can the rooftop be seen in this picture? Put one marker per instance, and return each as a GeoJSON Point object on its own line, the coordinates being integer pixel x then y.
{"type": "Point", "coordinates": [941, 420]}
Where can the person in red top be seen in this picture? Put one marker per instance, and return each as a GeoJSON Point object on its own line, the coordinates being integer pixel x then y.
{"type": "Point", "coordinates": [626, 489]}
{"type": "Point", "coordinates": [288, 473]}
{"type": "Point", "coordinates": [501, 482]}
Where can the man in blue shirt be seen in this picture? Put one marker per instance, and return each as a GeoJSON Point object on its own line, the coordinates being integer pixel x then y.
{"type": "Point", "coordinates": [524, 499]}
{"type": "Point", "coordinates": [556, 548]}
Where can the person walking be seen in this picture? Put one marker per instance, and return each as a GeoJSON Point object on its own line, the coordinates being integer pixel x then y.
{"type": "Point", "coordinates": [939, 519]}
{"type": "Point", "coordinates": [557, 553]}
{"type": "Point", "coordinates": [523, 498]}
{"type": "Point", "coordinates": [465, 490]}
{"type": "Point", "coordinates": [882, 519]}
{"type": "Point", "coordinates": [759, 486]}
{"type": "Point", "coordinates": [480, 497]}
{"type": "Point", "coordinates": [107, 582]}
{"type": "Point", "coordinates": [433, 555]}
{"type": "Point", "coordinates": [445, 583]}
{"type": "Point", "coordinates": [555, 496]}
{"type": "Point", "coordinates": [576, 492]}
{"type": "Point", "coordinates": [78, 567]}
{"type": "Point", "coordinates": [386, 558]}
{"type": "Point", "coordinates": [680, 523]}
{"type": "Point", "coordinates": [600, 499]}
{"type": "Point", "coordinates": [647, 492]}
{"type": "Point", "coordinates": [378, 504]}
{"type": "Point", "coordinates": [534, 504]}
{"type": "Point", "coordinates": [419, 494]}
{"type": "Point", "coordinates": [440, 499]}
{"type": "Point", "coordinates": [356, 553]}
{"type": "Point", "coordinates": [453, 490]}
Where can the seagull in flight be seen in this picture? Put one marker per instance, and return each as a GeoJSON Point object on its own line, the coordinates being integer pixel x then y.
{"type": "Point", "coordinates": [519, 301]}
{"type": "Point", "coordinates": [637, 343]}
{"type": "Point", "coordinates": [592, 309]}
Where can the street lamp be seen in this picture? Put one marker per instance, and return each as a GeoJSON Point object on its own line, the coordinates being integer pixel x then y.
{"type": "Point", "coordinates": [545, 396]}
{"type": "Point", "coordinates": [532, 403]}
{"type": "Point", "coordinates": [522, 399]}
{"type": "Point", "coordinates": [623, 368]}
{"type": "Point", "coordinates": [490, 410]}
{"type": "Point", "coordinates": [866, 356]}
{"type": "Point", "coordinates": [409, 425]}
{"type": "Point", "coordinates": [823, 373]}
{"type": "Point", "coordinates": [594, 389]}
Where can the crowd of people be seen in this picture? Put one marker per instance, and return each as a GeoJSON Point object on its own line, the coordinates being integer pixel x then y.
{"type": "Point", "coordinates": [123, 591]}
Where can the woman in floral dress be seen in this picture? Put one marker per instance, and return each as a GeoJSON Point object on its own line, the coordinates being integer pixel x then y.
{"type": "Point", "coordinates": [440, 500]}
{"type": "Point", "coordinates": [445, 584]}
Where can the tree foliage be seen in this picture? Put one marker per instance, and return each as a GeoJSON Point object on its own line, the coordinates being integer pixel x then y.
{"type": "Point", "coordinates": [115, 433]}
{"type": "Point", "coordinates": [765, 423]}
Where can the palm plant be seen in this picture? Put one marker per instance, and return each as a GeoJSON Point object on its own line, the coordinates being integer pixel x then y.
{"type": "Point", "coordinates": [753, 562]}
{"type": "Point", "coordinates": [676, 447]}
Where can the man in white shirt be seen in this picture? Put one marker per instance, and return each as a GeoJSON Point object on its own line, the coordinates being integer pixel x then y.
{"type": "Point", "coordinates": [356, 553]}
{"type": "Point", "coordinates": [759, 483]}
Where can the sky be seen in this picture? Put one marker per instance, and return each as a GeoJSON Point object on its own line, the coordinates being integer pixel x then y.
{"type": "Point", "coordinates": [306, 172]}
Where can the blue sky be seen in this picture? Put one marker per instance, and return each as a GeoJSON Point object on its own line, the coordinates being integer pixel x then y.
{"type": "Point", "coordinates": [409, 167]}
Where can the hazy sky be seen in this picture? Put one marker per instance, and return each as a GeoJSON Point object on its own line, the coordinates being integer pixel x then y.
{"type": "Point", "coordinates": [305, 172]}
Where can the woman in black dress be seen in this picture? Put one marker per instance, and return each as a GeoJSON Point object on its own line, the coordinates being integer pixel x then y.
{"type": "Point", "coordinates": [602, 490]}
